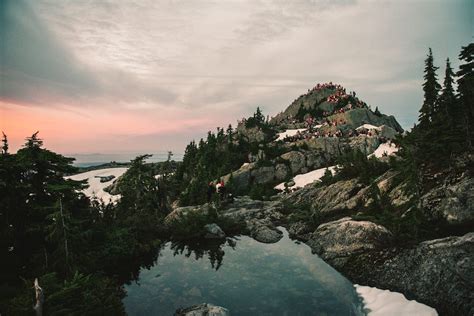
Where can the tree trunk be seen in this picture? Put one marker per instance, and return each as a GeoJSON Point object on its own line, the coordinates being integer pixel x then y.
{"type": "Point", "coordinates": [66, 250]}
{"type": "Point", "coordinates": [39, 299]}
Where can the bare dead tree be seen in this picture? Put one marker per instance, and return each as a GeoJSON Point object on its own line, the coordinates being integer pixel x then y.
{"type": "Point", "coordinates": [38, 308]}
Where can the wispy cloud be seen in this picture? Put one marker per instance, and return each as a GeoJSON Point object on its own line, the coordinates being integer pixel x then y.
{"type": "Point", "coordinates": [156, 62]}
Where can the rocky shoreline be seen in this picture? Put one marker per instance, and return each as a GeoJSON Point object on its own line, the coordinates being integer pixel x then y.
{"type": "Point", "coordinates": [437, 272]}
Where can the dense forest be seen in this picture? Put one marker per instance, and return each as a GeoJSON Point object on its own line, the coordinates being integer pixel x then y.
{"type": "Point", "coordinates": [82, 251]}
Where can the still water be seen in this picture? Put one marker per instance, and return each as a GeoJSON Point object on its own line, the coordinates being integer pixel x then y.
{"type": "Point", "coordinates": [246, 277]}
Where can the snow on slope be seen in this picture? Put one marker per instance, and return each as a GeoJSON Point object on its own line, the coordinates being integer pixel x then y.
{"type": "Point", "coordinates": [387, 303]}
{"type": "Point", "coordinates": [368, 126]}
{"type": "Point", "coordinates": [387, 148]}
{"type": "Point", "coordinates": [289, 132]}
{"type": "Point", "coordinates": [306, 178]}
{"type": "Point", "coordinates": [96, 188]}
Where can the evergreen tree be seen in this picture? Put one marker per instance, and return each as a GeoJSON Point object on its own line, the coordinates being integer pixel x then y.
{"type": "Point", "coordinates": [377, 112]}
{"type": "Point", "coordinates": [466, 90]}
{"type": "Point", "coordinates": [431, 90]}
{"type": "Point", "coordinates": [446, 113]}
{"type": "Point", "coordinates": [259, 117]}
{"type": "Point", "coordinates": [5, 144]}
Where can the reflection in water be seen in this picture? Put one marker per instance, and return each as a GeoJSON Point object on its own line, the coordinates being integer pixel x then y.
{"type": "Point", "coordinates": [245, 276]}
{"type": "Point", "coordinates": [211, 248]}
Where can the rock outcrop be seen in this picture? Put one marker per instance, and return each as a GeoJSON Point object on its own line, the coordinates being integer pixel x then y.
{"type": "Point", "coordinates": [338, 240]}
{"type": "Point", "coordinates": [451, 202]}
{"type": "Point", "coordinates": [439, 273]}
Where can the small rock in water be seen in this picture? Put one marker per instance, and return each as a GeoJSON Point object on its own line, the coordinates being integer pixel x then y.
{"type": "Point", "coordinates": [214, 231]}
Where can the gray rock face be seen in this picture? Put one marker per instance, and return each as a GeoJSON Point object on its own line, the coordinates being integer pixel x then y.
{"type": "Point", "coordinates": [300, 230]}
{"type": "Point", "coordinates": [204, 309]}
{"type": "Point", "coordinates": [451, 202]}
{"type": "Point", "coordinates": [281, 172]}
{"type": "Point", "coordinates": [213, 231]}
{"type": "Point", "coordinates": [315, 159]}
{"type": "Point", "coordinates": [180, 212]}
{"type": "Point", "coordinates": [438, 272]}
{"type": "Point", "coordinates": [296, 159]}
{"type": "Point", "coordinates": [263, 231]}
{"type": "Point", "coordinates": [337, 240]}
{"type": "Point", "coordinates": [260, 217]}
{"type": "Point", "coordinates": [364, 143]}
{"type": "Point", "coordinates": [329, 201]}
{"type": "Point", "coordinates": [263, 174]}
{"type": "Point", "coordinates": [254, 134]}
{"type": "Point", "coordinates": [241, 177]}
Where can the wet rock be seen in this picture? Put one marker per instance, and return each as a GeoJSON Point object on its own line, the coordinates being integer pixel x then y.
{"type": "Point", "coordinates": [213, 231]}
{"type": "Point", "coordinates": [204, 309]}
{"type": "Point", "coordinates": [264, 231]}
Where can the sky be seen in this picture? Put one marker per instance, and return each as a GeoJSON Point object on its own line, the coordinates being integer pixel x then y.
{"type": "Point", "coordinates": [150, 75]}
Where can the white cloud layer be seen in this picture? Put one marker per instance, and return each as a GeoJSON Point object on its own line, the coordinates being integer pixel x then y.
{"type": "Point", "coordinates": [225, 57]}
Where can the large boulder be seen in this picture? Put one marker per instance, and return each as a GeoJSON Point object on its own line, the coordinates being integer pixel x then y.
{"type": "Point", "coordinates": [360, 116]}
{"type": "Point", "coordinates": [240, 177]}
{"type": "Point", "coordinates": [264, 231]}
{"type": "Point", "coordinates": [452, 202]}
{"type": "Point", "coordinates": [296, 159]}
{"type": "Point", "coordinates": [263, 174]}
{"type": "Point", "coordinates": [338, 240]}
{"type": "Point", "coordinates": [253, 134]}
{"type": "Point", "coordinates": [204, 309]}
{"type": "Point", "coordinates": [439, 273]}
{"type": "Point", "coordinates": [332, 200]}
{"type": "Point", "coordinates": [364, 143]}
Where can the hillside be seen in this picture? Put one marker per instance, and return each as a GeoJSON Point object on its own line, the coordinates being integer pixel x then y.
{"type": "Point", "coordinates": [327, 169]}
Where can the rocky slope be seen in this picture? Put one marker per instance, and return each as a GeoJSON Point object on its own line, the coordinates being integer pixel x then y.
{"type": "Point", "coordinates": [346, 222]}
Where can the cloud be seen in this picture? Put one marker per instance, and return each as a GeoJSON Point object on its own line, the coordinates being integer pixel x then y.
{"type": "Point", "coordinates": [34, 63]}
{"type": "Point", "coordinates": [213, 62]}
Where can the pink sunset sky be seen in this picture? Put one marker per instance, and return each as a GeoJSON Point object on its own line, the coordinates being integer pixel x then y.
{"type": "Point", "coordinates": [143, 75]}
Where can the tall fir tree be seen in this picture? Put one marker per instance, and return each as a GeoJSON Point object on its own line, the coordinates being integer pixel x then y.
{"type": "Point", "coordinates": [447, 109]}
{"type": "Point", "coordinates": [4, 144]}
{"type": "Point", "coordinates": [431, 89]}
{"type": "Point", "coordinates": [466, 90]}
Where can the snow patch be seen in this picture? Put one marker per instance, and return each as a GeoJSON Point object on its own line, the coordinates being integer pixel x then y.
{"type": "Point", "coordinates": [289, 132]}
{"type": "Point", "coordinates": [96, 188]}
{"type": "Point", "coordinates": [368, 126]}
{"type": "Point", "coordinates": [385, 148]}
{"type": "Point", "coordinates": [387, 303]}
{"type": "Point", "coordinates": [306, 178]}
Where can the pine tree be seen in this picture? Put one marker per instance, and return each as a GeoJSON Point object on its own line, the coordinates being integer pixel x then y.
{"type": "Point", "coordinates": [447, 101]}
{"type": "Point", "coordinates": [431, 89]}
{"type": "Point", "coordinates": [466, 90]}
{"type": "Point", "coordinates": [377, 112]}
{"type": "Point", "coordinates": [5, 144]}
{"type": "Point", "coordinates": [259, 116]}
